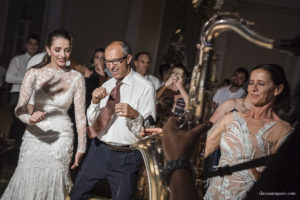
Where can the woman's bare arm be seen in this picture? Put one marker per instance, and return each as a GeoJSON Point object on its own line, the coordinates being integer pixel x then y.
{"type": "Point", "coordinates": [222, 110]}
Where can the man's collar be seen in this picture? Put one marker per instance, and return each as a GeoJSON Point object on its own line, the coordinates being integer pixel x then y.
{"type": "Point", "coordinates": [127, 79]}
{"type": "Point", "coordinates": [27, 56]}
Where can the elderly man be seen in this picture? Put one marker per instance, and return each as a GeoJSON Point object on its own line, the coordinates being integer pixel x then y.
{"type": "Point", "coordinates": [115, 117]}
{"type": "Point", "coordinates": [142, 62]}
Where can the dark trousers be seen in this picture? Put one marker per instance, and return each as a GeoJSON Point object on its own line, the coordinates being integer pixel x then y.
{"type": "Point", "coordinates": [17, 127]}
{"type": "Point", "coordinates": [214, 159]}
{"type": "Point", "coordinates": [16, 130]}
{"type": "Point", "coordinates": [119, 168]}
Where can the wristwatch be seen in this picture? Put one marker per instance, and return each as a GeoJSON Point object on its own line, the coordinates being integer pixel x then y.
{"type": "Point", "coordinates": [172, 165]}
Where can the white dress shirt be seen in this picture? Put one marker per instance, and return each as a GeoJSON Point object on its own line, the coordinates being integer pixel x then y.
{"type": "Point", "coordinates": [155, 81]}
{"type": "Point", "coordinates": [140, 95]}
{"type": "Point", "coordinates": [224, 94]}
{"type": "Point", "coordinates": [16, 71]}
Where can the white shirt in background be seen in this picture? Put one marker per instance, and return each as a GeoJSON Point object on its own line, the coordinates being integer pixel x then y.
{"type": "Point", "coordinates": [16, 71]}
{"type": "Point", "coordinates": [155, 81]}
{"type": "Point", "coordinates": [224, 94]}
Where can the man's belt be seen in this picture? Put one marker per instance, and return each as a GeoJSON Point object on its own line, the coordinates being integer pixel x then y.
{"type": "Point", "coordinates": [121, 148]}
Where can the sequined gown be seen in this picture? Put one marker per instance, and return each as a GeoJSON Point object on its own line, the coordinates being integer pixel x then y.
{"type": "Point", "coordinates": [45, 154]}
{"type": "Point", "coordinates": [239, 145]}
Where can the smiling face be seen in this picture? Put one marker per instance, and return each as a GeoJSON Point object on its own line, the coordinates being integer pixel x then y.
{"type": "Point", "coordinates": [116, 61]}
{"type": "Point", "coordinates": [261, 88]}
{"type": "Point", "coordinates": [60, 51]}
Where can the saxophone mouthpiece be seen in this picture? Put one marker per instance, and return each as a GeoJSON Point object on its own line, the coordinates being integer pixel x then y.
{"type": "Point", "coordinates": [290, 45]}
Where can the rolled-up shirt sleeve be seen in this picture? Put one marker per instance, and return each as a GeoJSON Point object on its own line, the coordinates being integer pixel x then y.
{"type": "Point", "coordinates": [92, 113]}
{"type": "Point", "coordinates": [145, 108]}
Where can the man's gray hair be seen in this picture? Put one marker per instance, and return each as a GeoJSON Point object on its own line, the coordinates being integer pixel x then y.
{"type": "Point", "coordinates": [126, 48]}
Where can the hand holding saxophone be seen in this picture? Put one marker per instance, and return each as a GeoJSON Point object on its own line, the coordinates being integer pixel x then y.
{"type": "Point", "coordinates": [151, 131]}
{"type": "Point", "coordinates": [177, 143]}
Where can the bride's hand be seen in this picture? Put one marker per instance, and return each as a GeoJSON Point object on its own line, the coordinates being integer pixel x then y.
{"type": "Point", "coordinates": [37, 117]}
{"type": "Point", "coordinates": [78, 158]}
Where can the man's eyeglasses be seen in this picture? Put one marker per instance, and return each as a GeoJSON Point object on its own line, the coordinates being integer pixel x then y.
{"type": "Point", "coordinates": [117, 61]}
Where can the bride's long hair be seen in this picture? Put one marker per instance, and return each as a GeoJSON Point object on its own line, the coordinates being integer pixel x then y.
{"type": "Point", "coordinates": [59, 33]}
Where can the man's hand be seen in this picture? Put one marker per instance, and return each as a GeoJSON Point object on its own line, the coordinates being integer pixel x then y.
{"type": "Point", "coordinates": [37, 117]}
{"type": "Point", "coordinates": [151, 131]}
{"type": "Point", "coordinates": [179, 144]}
{"type": "Point", "coordinates": [125, 110]}
{"type": "Point", "coordinates": [98, 94]}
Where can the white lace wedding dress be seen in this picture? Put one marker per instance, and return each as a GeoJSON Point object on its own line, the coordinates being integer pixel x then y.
{"type": "Point", "coordinates": [44, 162]}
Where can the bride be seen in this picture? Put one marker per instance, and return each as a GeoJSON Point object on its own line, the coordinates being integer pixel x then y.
{"type": "Point", "coordinates": [46, 150]}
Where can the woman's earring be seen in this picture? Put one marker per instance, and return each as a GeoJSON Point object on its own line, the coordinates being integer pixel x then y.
{"type": "Point", "coordinates": [68, 63]}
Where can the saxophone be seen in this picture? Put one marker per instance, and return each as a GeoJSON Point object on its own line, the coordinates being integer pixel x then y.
{"type": "Point", "coordinates": [198, 108]}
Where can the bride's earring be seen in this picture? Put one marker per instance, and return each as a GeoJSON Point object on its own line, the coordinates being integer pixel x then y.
{"type": "Point", "coordinates": [68, 63]}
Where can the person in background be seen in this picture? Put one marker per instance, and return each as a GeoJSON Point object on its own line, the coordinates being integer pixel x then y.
{"type": "Point", "coordinates": [116, 116]}
{"type": "Point", "coordinates": [43, 170]}
{"type": "Point", "coordinates": [234, 90]}
{"type": "Point", "coordinates": [142, 61]}
{"type": "Point", "coordinates": [14, 75]}
{"type": "Point", "coordinates": [172, 96]}
{"type": "Point", "coordinates": [96, 76]}
{"type": "Point", "coordinates": [165, 71]}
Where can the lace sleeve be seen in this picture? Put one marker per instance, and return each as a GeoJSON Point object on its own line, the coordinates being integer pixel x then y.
{"type": "Point", "coordinates": [25, 94]}
{"type": "Point", "coordinates": [80, 117]}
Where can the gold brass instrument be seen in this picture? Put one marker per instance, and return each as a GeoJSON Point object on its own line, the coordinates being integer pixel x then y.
{"type": "Point", "coordinates": [199, 105]}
